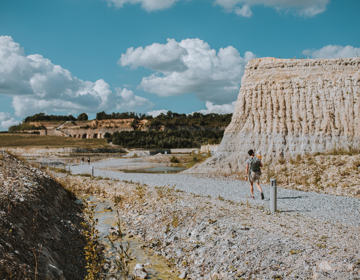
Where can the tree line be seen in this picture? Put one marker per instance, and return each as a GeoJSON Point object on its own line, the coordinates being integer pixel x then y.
{"type": "Point", "coordinates": [171, 119]}
{"type": "Point", "coordinates": [42, 117]}
{"type": "Point", "coordinates": [165, 139]}
{"type": "Point", "coordinates": [168, 120]}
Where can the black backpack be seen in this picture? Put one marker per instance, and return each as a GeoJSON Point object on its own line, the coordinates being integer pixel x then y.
{"type": "Point", "coordinates": [254, 164]}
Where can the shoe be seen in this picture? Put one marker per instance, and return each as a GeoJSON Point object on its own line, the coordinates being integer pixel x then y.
{"type": "Point", "coordinates": [262, 196]}
{"type": "Point", "coordinates": [252, 197]}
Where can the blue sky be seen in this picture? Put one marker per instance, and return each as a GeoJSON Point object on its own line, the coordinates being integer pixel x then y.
{"type": "Point", "coordinates": [74, 56]}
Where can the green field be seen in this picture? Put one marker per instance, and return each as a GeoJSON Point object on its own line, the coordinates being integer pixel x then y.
{"type": "Point", "coordinates": [33, 140]}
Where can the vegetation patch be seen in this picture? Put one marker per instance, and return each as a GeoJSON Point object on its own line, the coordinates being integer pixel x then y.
{"type": "Point", "coordinates": [166, 139]}
{"type": "Point", "coordinates": [11, 140]}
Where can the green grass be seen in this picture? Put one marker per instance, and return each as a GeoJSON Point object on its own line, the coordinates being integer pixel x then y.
{"type": "Point", "coordinates": [32, 140]}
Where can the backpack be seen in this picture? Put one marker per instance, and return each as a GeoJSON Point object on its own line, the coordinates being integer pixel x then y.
{"type": "Point", "coordinates": [254, 164]}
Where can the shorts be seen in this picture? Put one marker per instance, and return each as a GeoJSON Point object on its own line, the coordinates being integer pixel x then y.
{"type": "Point", "coordinates": [254, 176]}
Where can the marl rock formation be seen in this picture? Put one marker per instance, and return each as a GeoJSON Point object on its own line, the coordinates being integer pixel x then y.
{"type": "Point", "coordinates": [291, 106]}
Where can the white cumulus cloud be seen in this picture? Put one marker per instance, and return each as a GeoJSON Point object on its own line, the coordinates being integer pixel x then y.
{"type": "Point", "coordinates": [156, 113]}
{"type": "Point", "coordinates": [129, 101]}
{"type": "Point", "coordinates": [158, 57]}
{"type": "Point", "coordinates": [333, 51]}
{"type": "Point", "coordinates": [6, 121]}
{"type": "Point", "coordinates": [38, 85]}
{"type": "Point", "coordinates": [218, 109]}
{"type": "Point", "coordinates": [190, 66]}
{"type": "Point", "coordinates": [148, 5]}
{"type": "Point", "coordinates": [307, 8]}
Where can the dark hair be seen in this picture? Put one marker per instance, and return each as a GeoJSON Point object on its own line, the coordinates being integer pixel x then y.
{"type": "Point", "coordinates": [250, 152]}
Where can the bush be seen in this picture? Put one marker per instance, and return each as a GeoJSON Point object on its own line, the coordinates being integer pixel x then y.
{"type": "Point", "coordinates": [83, 117]}
{"type": "Point", "coordinates": [107, 135]}
{"type": "Point", "coordinates": [174, 159]}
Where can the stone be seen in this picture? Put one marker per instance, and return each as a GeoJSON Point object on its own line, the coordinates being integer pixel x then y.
{"type": "Point", "coordinates": [114, 231]}
{"type": "Point", "coordinates": [325, 266]}
{"type": "Point", "coordinates": [54, 272]}
{"type": "Point", "coordinates": [139, 271]}
{"type": "Point", "coordinates": [290, 106]}
{"type": "Point", "coordinates": [183, 275]}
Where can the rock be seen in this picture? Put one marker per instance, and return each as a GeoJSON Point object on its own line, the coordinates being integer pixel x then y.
{"type": "Point", "coordinates": [183, 275]}
{"type": "Point", "coordinates": [139, 271]}
{"type": "Point", "coordinates": [290, 106]}
{"type": "Point", "coordinates": [54, 273]}
{"type": "Point", "coordinates": [114, 231]}
{"type": "Point", "coordinates": [351, 267]}
{"type": "Point", "coordinates": [325, 266]}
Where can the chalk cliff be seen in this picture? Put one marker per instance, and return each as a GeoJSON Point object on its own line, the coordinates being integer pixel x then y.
{"type": "Point", "coordinates": [291, 106]}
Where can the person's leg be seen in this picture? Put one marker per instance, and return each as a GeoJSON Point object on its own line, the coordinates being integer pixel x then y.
{"type": "Point", "coordinates": [251, 189]}
{"type": "Point", "coordinates": [260, 190]}
{"type": "Point", "coordinates": [258, 186]}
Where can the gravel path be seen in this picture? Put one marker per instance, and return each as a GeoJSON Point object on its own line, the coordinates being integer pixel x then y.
{"type": "Point", "coordinates": [325, 207]}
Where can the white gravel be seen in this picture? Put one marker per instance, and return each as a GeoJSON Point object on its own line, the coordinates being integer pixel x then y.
{"type": "Point", "coordinates": [345, 210]}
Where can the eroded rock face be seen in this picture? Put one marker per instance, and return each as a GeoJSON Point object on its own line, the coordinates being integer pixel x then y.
{"type": "Point", "coordinates": [291, 106]}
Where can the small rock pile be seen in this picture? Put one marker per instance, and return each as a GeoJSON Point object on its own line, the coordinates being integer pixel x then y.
{"type": "Point", "coordinates": [39, 225]}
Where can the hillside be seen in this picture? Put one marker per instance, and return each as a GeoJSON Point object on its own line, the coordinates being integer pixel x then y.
{"type": "Point", "coordinates": [40, 232]}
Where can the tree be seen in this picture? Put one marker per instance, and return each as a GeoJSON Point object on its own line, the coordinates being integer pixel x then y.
{"type": "Point", "coordinates": [101, 116]}
{"type": "Point", "coordinates": [83, 117]}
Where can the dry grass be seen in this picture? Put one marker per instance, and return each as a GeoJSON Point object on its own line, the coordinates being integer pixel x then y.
{"type": "Point", "coordinates": [32, 140]}
{"type": "Point", "coordinates": [350, 151]}
{"type": "Point", "coordinates": [333, 174]}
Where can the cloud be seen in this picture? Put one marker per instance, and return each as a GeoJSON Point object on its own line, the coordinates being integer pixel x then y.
{"type": "Point", "coordinates": [37, 85]}
{"type": "Point", "coordinates": [244, 11]}
{"type": "Point", "coordinates": [6, 121]}
{"type": "Point", "coordinates": [156, 113]}
{"type": "Point", "coordinates": [218, 109]}
{"type": "Point", "coordinates": [307, 8]}
{"type": "Point", "coordinates": [158, 57]}
{"type": "Point", "coordinates": [190, 66]}
{"type": "Point", "coordinates": [333, 51]}
{"type": "Point", "coordinates": [129, 101]}
{"type": "Point", "coordinates": [148, 5]}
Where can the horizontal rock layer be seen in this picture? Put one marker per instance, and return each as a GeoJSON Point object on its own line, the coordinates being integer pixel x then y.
{"type": "Point", "coordinates": [291, 106]}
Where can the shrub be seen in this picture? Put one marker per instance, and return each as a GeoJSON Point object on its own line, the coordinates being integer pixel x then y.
{"type": "Point", "coordinates": [174, 159]}
{"type": "Point", "coordinates": [83, 117]}
{"type": "Point", "coordinates": [107, 135]}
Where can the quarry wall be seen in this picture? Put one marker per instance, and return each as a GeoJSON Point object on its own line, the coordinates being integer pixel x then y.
{"type": "Point", "coordinates": [83, 132]}
{"type": "Point", "coordinates": [291, 106]}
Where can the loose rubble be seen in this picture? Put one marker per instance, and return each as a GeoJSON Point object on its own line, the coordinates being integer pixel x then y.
{"type": "Point", "coordinates": [209, 238]}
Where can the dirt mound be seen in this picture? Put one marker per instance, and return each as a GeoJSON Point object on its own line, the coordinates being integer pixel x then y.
{"type": "Point", "coordinates": [39, 225]}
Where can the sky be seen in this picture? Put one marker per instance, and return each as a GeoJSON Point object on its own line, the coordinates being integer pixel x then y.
{"type": "Point", "coordinates": [151, 56]}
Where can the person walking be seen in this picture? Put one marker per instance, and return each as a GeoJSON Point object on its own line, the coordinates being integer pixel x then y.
{"type": "Point", "coordinates": [253, 173]}
{"type": "Point", "coordinates": [88, 160]}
